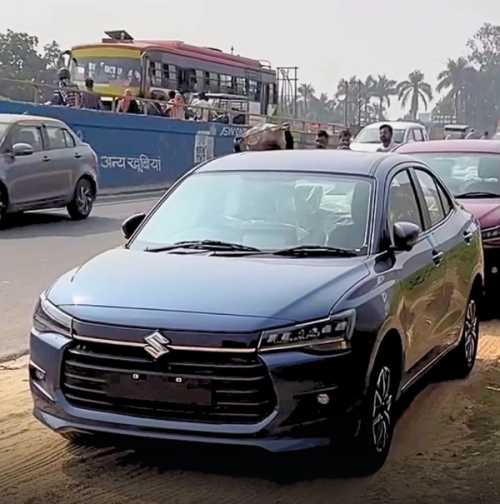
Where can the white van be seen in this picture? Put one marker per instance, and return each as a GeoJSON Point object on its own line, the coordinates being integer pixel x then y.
{"type": "Point", "coordinates": [368, 139]}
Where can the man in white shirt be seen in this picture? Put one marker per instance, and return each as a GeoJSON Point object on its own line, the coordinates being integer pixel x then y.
{"type": "Point", "coordinates": [202, 107]}
{"type": "Point", "coordinates": [386, 133]}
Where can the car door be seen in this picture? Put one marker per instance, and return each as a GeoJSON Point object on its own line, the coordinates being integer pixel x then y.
{"type": "Point", "coordinates": [421, 279]}
{"type": "Point", "coordinates": [25, 180]}
{"type": "Point", "coordinates": [64, 160]}
{"type": "Point", "coordinates": [451, 233]}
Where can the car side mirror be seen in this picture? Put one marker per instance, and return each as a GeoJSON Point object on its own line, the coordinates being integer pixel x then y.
{"type": "Point", "coordinates": [405, 235]}
{"type": "Point", "coordinates": [130, 225]}
{"type": "Point", "coordinates": [22, 149]}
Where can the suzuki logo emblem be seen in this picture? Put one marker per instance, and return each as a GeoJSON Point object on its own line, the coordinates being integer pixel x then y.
{"type": "Point", "coordinates": [156, 345]}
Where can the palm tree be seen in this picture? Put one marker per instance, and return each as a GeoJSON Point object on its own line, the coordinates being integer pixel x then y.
{"type": "Point", "coordinates": [414, 89]}
{"type": "Point", "coordinates": [306, 92]}
{"type": "Point", "coordinates": [453, 78]}
{"type": "Point", "coordinates": [382, 90]}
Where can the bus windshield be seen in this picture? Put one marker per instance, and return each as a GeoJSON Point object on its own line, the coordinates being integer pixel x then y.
{"type": "Point", "coordinates": [122, 72]}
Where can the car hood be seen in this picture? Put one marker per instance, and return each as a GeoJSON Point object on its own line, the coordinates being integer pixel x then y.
{"type": "Point", "coordinates": [486, 210]}
{"type": "Point", "coordinates": [193, 291]}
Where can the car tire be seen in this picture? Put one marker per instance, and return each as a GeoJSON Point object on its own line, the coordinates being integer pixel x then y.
{"type": "Point", "coordinates": [462, 359]}
{"type": "Point", "coordinates": [378, 416]}
{"type": "Point", "coordinates": [83, 200]}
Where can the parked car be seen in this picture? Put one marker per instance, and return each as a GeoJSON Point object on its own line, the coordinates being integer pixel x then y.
{"type": "Point", "coordinates": [471, 170]}
{"type": "Point", "coordinates": [457, 131]}
{"type": "Point", "coordinates": [43, 164]}
{"type": "Point", "coordinates": [368, 139]}
{"type": "Point", "coordinates": [243, 311]}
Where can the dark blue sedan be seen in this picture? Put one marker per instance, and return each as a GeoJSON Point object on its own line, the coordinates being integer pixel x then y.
{"type": "Point", "coordinates": [274, 299]}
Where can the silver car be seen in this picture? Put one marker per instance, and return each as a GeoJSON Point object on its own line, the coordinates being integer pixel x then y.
{"type": "Point", "coordinates": [43, 164]}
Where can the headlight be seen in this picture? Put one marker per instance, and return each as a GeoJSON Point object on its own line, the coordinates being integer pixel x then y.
{"type": "Point", "coordinates": [330, 334]}
{"type": "Point", "coordinates": [48, 318]}
{"type": "Point", "coordinates": [491, 233]}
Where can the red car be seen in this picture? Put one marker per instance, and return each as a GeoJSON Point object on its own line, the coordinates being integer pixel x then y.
{"type": "Point", "coordinates": [471, 170]}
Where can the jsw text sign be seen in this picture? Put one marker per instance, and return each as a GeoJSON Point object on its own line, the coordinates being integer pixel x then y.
{"type": "Point", "coordinates": [138, 150]}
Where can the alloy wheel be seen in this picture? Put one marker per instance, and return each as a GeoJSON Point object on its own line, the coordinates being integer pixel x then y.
{"type": "Point", "coordinates": [471, 332]}
{"type": "Point", "coordinates": [84, 199]}
{"type": "Point", "coordinates": [382, 404]}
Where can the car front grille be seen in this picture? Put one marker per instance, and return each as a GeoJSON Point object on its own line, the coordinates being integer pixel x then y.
{"type": "Point", "coordinates": [241, 389]}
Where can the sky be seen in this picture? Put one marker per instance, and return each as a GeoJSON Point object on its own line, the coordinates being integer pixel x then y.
{"type": "Point", "coordinates": [326, 39]}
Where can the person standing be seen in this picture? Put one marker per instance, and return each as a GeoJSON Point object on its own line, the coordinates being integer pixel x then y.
{"type": "Point", "coordinates": [203, 109]}
{"type": "Point", "coordinates": [345, 140]}
{"type": "Point", "coordinates": [68, 90]}
{"type": "Point", "coordinates": [321, 139]}
{"type": "Point", "coordinates": [128, 104]}
{"type": "Point", "coordinates": [386, 133]}
{"type": "Point", "coordinates": [90, 100]}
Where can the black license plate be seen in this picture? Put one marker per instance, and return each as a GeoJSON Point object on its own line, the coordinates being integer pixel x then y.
{"type": "Point", "coordinates": [157, 388]}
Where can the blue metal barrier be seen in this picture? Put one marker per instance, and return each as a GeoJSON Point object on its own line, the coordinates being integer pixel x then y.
{"type": "Point", "coordinates": [138, 150]}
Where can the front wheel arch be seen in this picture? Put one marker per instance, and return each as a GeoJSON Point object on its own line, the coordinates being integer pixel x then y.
{"type": "Point", "coordinates": [392, 343]}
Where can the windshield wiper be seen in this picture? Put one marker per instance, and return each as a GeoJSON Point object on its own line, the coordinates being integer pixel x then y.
{"type": "Point", "coordinates": [204, 245]}
{"type": "Point", "coordinates": [315, 250]}
{"type": "Point", "coordinates": [478, 194]}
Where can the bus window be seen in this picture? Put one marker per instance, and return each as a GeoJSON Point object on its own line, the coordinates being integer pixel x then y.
{"type": "Point", "coordinates": [226, 85]}
{"type": "Point", "coordinates": [240, 86]}
{"type": "Point", "coordinates": [200, 84]}
{"type": "Point", "coordinates": [213, 82]}
{"type": "Point", "coordinates": [156, 74]}
{"type": "Point", "coordinates": [169, 76]}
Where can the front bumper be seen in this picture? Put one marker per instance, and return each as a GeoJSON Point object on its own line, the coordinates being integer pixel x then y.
{"type": "Point", "coordinates": [295, 420]}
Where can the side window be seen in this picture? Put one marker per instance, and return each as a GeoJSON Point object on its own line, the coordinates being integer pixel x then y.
{"type": "Point", "coordinates": [410, 135]}
{"type": "Point", "coordinates": [70, 141]}
{"type": "Point", "coordinates": [403, 204]}
{"type": "Point", "coordinates": [445, 200]}
{"type": "Point", "coordinates": [431, 195]}
{"type": "Point", "coordinates": [30, 135]}
{"type": "Point", "coordinates": [56, 138]}
{"type": "Point", "coordinates": [418, 134]}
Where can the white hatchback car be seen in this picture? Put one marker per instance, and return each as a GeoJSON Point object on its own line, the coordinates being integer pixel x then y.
{"type": "Point", "coordinates": [368, 139]}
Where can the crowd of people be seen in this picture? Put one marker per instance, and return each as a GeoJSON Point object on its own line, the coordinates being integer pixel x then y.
{"type": "Point", "coordinates": [173, 105]}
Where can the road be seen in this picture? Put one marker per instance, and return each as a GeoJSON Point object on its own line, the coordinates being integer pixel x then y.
{"type": "Point", "coordinates": [38, 247]}
{"type": "Point", "coordinates": [446, 448]}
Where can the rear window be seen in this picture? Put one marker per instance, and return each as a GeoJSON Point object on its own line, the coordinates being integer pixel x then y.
{"type": "Point", "coordinates": [372, 136]}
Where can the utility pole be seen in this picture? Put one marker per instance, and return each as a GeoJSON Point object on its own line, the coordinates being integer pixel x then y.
{"type": "Point", "coordinates": [346, 104]}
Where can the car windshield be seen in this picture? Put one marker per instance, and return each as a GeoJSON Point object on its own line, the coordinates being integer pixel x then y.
{"type": "Point", "coordinates": [266, 210]}
{"type": "Point", "coordinates": [466, 173]}
{"type": "Point", "coordinates": [108, 70]}
{"type": "Point", "coordinates": [372, 136]}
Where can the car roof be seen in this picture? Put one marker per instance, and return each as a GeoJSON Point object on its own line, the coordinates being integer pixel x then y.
{"type": "Point", "coordinates": [459, 145]}
{"type": "Point", "coordinates": [395, 124]}
{"type": "Point", "coordinates": [305, 160]}
{"type": "Point", "coordinates": [14, 118]}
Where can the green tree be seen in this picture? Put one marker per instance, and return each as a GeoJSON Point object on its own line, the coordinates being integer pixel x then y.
{"type": "Point", "coordinates": [21, 60]}
{"type": "Point", "coordinates": [414, 90]}
{"type": "Point", "coordinates": [306, 93]}
{"type": "Point", "coordinates": [382, 90]}
{"type": "Point", "coordinates": [454, 80]}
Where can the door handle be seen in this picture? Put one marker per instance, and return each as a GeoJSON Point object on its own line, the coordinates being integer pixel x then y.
{"type": "Point", "coordinates": [437, 257]}
{"type": "Point", "coordinates": [468, 236]}
{"type": "Point", "coordinates": [46, 159]}
{"type": "Point", "coordinates": [78, 155]}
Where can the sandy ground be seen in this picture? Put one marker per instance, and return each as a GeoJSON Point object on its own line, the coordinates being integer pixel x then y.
{"type": "Point", "coordinates": [446, 450]}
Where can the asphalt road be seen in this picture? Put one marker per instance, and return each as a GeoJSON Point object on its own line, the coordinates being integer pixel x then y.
{"type": "Point", "coordinates": [38, 247]}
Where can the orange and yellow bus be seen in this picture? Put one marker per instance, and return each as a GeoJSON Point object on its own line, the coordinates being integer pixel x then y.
{"type": "Point", "coordinates": [119, 62]}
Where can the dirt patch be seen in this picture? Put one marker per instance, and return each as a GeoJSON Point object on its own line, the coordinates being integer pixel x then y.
{"type": "Point", "coordinates": [446, 450]}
